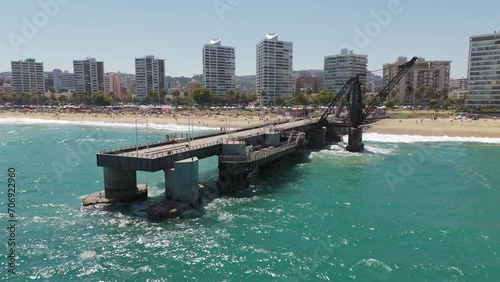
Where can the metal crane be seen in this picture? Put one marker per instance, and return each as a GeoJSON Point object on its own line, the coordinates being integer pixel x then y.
{"type": "Point", "coordinates": [382, 95]}
{"type": "Point", "coordinates": [351, 94]}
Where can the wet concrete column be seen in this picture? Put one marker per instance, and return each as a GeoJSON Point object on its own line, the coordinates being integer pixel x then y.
{"type": "Point", "coordinates": [316, 138]}
{"type": "Point", "coordinates": [181, 182]}
{"type": "Point", "coordinates": [355, 141]}
{"type": "Point", "coordinates": [333, 134]}
{"type": "Point", "coordinates": [231, 180]}
{"type": "Point", "coordinates": [120, 185]}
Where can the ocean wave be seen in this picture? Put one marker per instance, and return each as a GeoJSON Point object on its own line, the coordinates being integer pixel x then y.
{"type": "Point", "coordinates": [410, 139]}
{"type": "Point", "coordinates": [141, 124]}
{"type": "Point", "coordinates": [371, 262]}
{"type": "Point", "coordinates": [339, 150]}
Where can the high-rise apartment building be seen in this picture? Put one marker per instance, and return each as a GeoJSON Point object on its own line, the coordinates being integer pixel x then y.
{"type": "Point", "coordinates": [274, 69]}
{"type": "Point", "coordinates": [218, 67]}
{"type": "Point", "coordinates": [483, 88]}
{"type": "Point", "coordinates": [458, 83]}
{"type": "Point", "coordinates": [63, 81]}
{"type": "Point", "coordinates": [434, 74]}
{"type": "Point", "coordinates": [149, 76]}
{"type": "Point", "coordinates": [112, 83]}
{"type": "Point", "coordinates": [304, 82]}
{"type": "Point", "coordinates": [27, 77]}
{"type": "Point", "coordinates": [340, 68]}
{"type": "Point", "coordinates": [89, 76]}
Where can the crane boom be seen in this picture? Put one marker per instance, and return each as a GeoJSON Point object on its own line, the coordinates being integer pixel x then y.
{"type": "Point", "coordinates": [403, 69]}
{"type": "Point", "coordinates": [335, 102]}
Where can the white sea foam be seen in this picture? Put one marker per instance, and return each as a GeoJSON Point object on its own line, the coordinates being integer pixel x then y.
{"type": "Point", "coordinates": [140, 124]}
{"type": "Point", "coordinates": [371, 262]}
{"type": "Point", "coordinates": [389, 138]}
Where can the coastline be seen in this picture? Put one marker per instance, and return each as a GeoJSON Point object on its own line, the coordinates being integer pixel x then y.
{"type": "Point", "coordinates": [441, 127]}
{"type": "Point", "coordinates": [417, 127]}
{"type": "Point", "coordinates": [197, 119]}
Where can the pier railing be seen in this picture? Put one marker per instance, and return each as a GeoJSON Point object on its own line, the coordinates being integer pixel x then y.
{"type": "Point", "coordinates": [168, 152]}
{"type": "Point", "coordinates": [264, 153]}
{"type": "Point", "coordinates": [130, 149]}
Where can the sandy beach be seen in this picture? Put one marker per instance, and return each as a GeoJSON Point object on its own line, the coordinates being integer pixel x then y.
{"type": "Point", "coordinates": [197, 119]}
{"type": "Point", "coordinates": [424, 127]}
{"type": "Point", "coordinates": [439, 127]}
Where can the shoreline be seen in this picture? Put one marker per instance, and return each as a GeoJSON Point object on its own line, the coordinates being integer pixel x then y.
{"type": "Point", "coordinates": [486, 128]}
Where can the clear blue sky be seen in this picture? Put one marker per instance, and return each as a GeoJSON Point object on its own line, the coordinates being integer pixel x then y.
{"type": "Point", "coordinates": [118, 31]}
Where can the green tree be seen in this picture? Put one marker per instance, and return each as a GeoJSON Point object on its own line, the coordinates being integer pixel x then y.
{"type": "Point", "coordinates": [86, 98]}
{"type": "Point", "coordinates": [323, 98]}
{"type": "Point", "coordinates": [280, 101]}
{"type": "Point", "coordinates": [163, 94]}
{"type": "Point", "coordinates": [53, 99]}
{"type": "Point", "coordinates": [252, 98]}
{"type": "Point", "coordinates": [73, 99]}
{"type": "Point", "coordinates": [433, 103]}
{"type": "Point", "coordinates": [101, 100]}
{"type": "Point", "coordinates": [444, 93]}
{"type": "Point", "coordinates": [152, 98]}
{"type": "Point", "coordinates": [202, 96]}
{"type": "Point", "coordinates": [300, 99]}
{"type": "Point", "coordinates": [409, 93]}
{"type": "Point", "coordinates": [430, 93]}
{"type": "Point", "coordinates": [418, 94]}
{"type": "Point", "coordinates": [63, 99]}
{"type": "Point", "coordinates": [176, 93]}
{"type": "Point", "coordinates": [390, 103]}
{"type": "Point", "coordinates": [450, 103]}
{"type": "Point", "coordinates": [52, 89]}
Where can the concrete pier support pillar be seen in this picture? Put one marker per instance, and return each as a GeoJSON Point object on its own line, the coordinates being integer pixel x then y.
{"type": "Point", "coordinates": [231, 181]}
{"type": "Point", "coordinates": [120, 185]}
{"type": "Point", "coordinates": [355, 141]}
{"type": "Point", "coordinates": [232, 177]}
{"type": "Point", "coordinates": [316, 138]}
{"type": "Point", "coordinates": [333, 134]}
{"type": "Point", "coordinates": [271, 167]}
{"type": "Point", "coordinates": [181, 182]}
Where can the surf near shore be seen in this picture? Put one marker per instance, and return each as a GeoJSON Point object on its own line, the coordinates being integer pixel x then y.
{"type": "Point", "coordinates": [451, 127]}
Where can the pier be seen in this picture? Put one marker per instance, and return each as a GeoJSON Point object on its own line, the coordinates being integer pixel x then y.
{"type": "Point", "coordinates": [239, 151]}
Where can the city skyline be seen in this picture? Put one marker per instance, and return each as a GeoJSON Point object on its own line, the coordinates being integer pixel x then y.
{"type": "Point", "coordinates": [383, 30]}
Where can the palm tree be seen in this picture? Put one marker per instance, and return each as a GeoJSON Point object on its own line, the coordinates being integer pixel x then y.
{"type": "Point", "coordinates": [417, 95]}
{"type": "Point", "coordinates": [163, 94]}
{"type": "Point", "coordinates": [409, 92]}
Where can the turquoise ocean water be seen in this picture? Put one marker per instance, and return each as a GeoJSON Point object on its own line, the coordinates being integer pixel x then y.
{"type": "Point", "coordinates": [407, 209]}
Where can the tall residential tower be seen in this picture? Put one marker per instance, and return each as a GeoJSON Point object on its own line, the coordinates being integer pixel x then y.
{"type": "Point", "coordinates": [484, 72]}
{"type": "Point", "coordinates": [89, 76]}
{"type": "Point", "coordinates": [218, 67]}
{"type": "Point", "coordinates": [340, 68]}
{"type": "Point", "coordinates": [274, 69]}
{"type": "Point", "coordinates": [149, 76]}
{"type": "Point", "coordinates": [27, 77]}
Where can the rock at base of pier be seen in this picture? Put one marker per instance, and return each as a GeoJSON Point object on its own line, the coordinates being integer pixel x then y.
{"type": "Point", "coordinates": [99, 198]}
{"type": "Point", "coordinates": [167, 209]}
